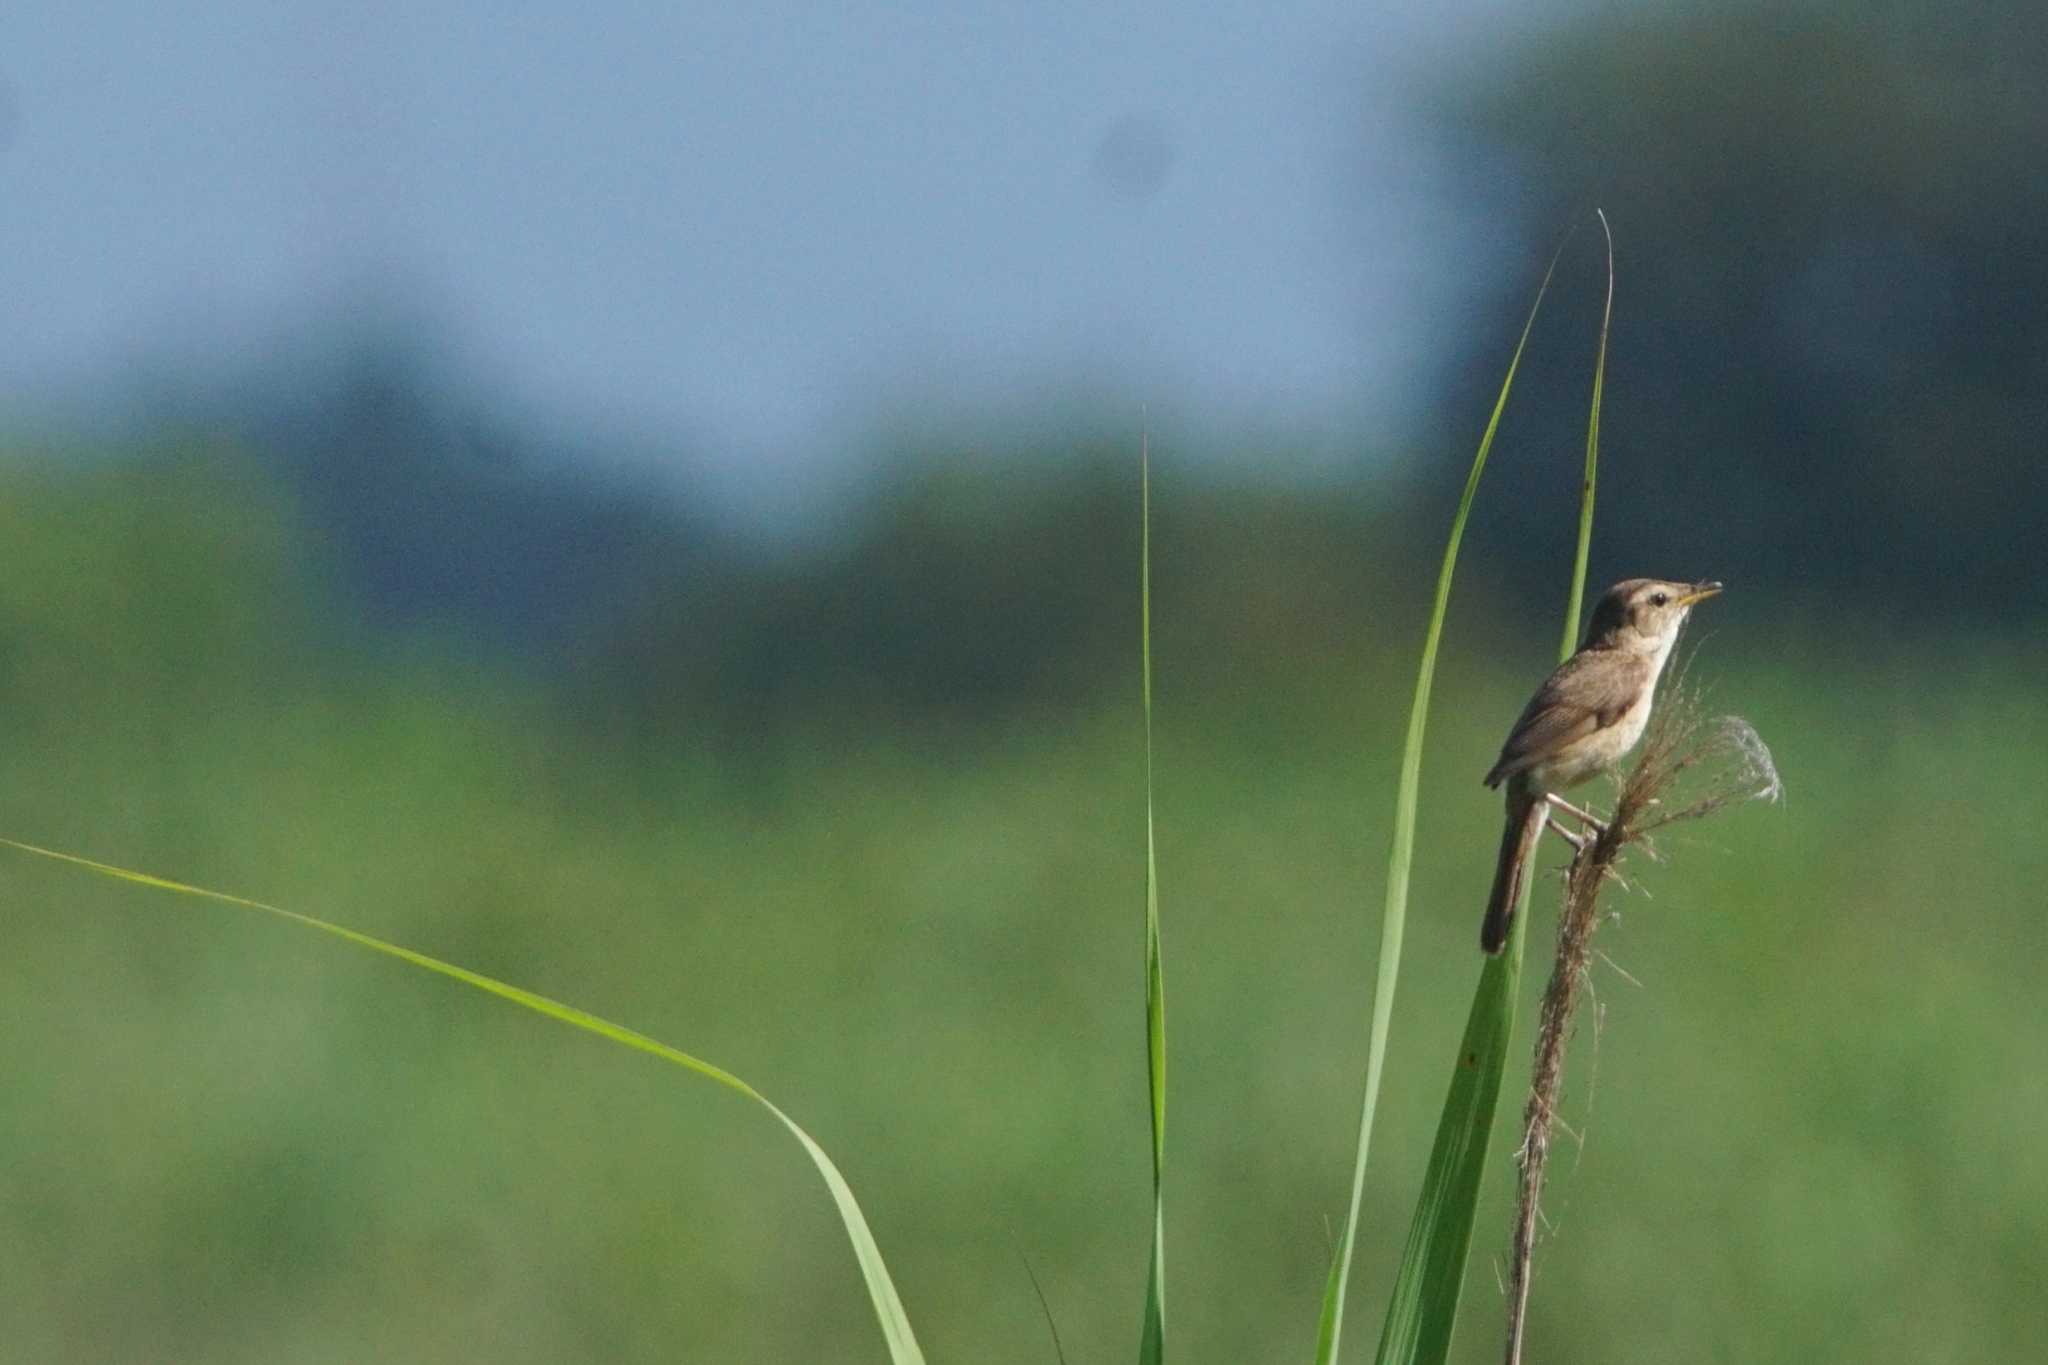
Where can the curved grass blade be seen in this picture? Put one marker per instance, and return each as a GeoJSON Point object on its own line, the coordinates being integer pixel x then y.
{"type": "Point", "coordinates": [1152, 1340]}
{"type": "Point", "coordinates": [1394, 918]}
{"type": "Point", "coordinates": [1059, 1352]}
{"type": "Point", "coordinates": [1578, 594]}
{"type": "Point", "coordinates": [1423, 1311]}
{"type": "Point", "coordinates": [895, 1324]}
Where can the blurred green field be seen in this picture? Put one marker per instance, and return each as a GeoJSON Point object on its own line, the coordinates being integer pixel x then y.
{"type": "Point", "coordinates": [1811, 1121]}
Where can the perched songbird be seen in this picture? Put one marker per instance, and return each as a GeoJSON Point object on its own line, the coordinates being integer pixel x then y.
{"type": "Point", "coordinates": [1586, 715]}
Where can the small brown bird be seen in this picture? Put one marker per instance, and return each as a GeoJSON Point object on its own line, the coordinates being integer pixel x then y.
{"type": "Point", "coordinates": [1586, 715]}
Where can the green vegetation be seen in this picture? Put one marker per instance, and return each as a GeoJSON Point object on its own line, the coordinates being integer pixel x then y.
{"type": "Point", "coordinates": [1424, 1302]}
{"type": "Point", "coordinates": [896, 1329]}
{"type": "Point", "coordinates": [1814, 1134]}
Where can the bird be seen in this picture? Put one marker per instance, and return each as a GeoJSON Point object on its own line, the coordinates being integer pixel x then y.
{"type": "Point", "coordinates": [1587, 714]}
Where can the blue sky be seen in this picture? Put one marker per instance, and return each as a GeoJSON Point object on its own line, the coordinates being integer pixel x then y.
{"type": "Point", "coordinates": [753, 230]}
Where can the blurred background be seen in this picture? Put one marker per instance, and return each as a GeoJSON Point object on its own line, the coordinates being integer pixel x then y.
{"type": "Point", "coordinates": [643, 503]}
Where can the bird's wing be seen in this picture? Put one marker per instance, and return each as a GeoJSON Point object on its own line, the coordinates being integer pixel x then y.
{"type": "Point", "coordinates": [1588, 692]}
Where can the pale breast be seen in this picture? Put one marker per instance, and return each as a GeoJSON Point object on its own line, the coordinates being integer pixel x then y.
{"type": "Point", "coordinates": [1593, 753]}
{"type": "Point", "coordinates": [1604, 748]}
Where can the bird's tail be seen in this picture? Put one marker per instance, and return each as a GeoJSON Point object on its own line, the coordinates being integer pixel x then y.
{"type": "Point", "coordinates": [1526, 814]}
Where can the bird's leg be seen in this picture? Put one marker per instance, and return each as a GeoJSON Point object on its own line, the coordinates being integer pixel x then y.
{"type": "Point", "coordinates": [1586, 818]}
{"type": "Point", "coordinates": [1575, 838]}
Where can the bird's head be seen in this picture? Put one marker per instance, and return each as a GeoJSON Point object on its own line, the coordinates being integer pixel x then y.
{"type": "Point", "coordinates": [1644, 614]}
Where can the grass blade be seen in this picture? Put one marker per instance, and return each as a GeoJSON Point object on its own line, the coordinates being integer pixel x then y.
{"type": "Point", "coordinates": [1423, 1311]}
{"type": "Point", "coordinates": [1394, 918]}
{"type": "Point", "coordinates": [1578, 593]}
{"type": "Point", "coordinates": [1424, 1308]}
{"type": "Point", "coordinates": [1152, 1341]}
{"type": "Point", "coordinates": [895, 1324]}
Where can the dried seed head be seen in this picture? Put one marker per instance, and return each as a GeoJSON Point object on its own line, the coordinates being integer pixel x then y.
{"type": "Point", "coordinates": [1693, 765]}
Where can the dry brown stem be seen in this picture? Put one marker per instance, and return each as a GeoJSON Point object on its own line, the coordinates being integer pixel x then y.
{"type": "Point", "coordinates": [1690, 767]}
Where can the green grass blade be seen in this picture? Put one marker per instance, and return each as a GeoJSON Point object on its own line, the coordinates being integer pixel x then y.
{"type": "Point", "coordinates": [1578, 595]}
{"type": "Point", "coordinates": [1393, 919]}
{"type": "Point", "coordinates": [1423, 1311]}
{"type": "Point", "coordinates": [1424, 1308]}
{"type": "Point", "coordinates": [895, 1324]}
{"type": "Point", "coordinates": [1152, 1342]}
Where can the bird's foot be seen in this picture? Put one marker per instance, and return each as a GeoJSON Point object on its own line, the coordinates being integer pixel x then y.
{"type": "Point", "coordinates": [1586, 818]}
{"type": "Point", "coordinates": [1576, 838]}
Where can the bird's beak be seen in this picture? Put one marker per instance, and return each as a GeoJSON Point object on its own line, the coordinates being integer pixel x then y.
{"type": "Point", "coordinates": [1700, 593]}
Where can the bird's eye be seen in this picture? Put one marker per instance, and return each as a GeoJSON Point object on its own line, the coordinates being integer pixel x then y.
{"type": "Point", "coordinates": [1658, 599]}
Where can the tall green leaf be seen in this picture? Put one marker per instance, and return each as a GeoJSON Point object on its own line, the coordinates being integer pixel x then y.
{"type": "Point", "coordinates": [1394, 917]}
{"type": "Point", "coordinates": [1152, 1341]}
{"type": "Point", "coordinates": [895, 1324]}
{"type": "Point", "coordinates": [1423, 1311]}
{"type": "Point", "coordinates": [1424, 1308]}
{"type": "Point", "coordinates": [1578, 592]}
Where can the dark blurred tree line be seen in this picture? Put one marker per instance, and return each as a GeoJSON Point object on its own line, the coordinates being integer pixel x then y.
{"type": "Point", "coordinates": [1829, 375]}
{"type": "Point", "coordinates": [974, 578]}
{"type": "Point", "coordinates": [1830, 356]}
